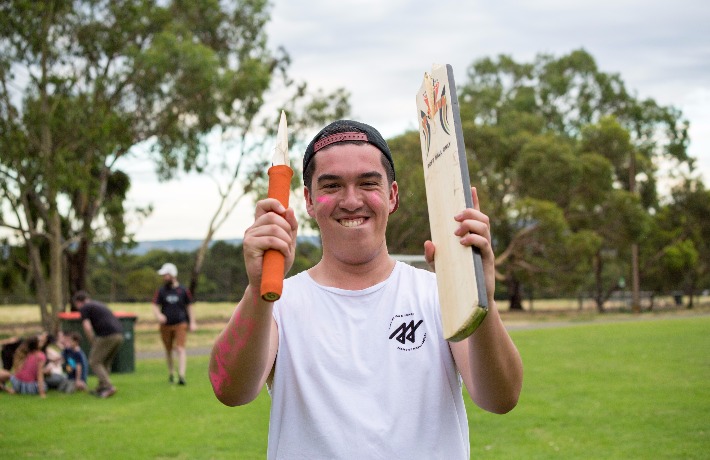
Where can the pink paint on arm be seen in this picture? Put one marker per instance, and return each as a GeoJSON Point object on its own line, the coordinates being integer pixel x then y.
{"type": "Point", "coordinates": [232, 342]}
{"type": "Point", "coordinates": [219, 377]}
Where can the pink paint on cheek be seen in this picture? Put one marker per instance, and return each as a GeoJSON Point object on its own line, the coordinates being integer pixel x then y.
{"type": "Point", "coordinates": [323, 199]}
{"type": "Point", "coordinates": [375, 199]}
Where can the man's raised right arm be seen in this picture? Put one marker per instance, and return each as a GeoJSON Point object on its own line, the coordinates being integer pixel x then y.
{"type": "Point", "coordinates": [244, 352]}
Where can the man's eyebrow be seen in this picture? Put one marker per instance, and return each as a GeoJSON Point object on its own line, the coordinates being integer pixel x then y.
{"type": "Point", "coordinates": [371, 174]}
{"type": "Point", "coordinates": [327, 177]}
{"type": "Point", "coordinates": [366, 175]}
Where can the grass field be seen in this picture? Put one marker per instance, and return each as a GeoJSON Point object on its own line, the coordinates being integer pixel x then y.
{"type": "Point", "coordinates": [631, 390]}
{"type": "Point", "coordinates": [18, 320]}
{"type": "Point", "coordinates": [628, 390]}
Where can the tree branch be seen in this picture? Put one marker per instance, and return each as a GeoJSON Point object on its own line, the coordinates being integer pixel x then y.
{"type": "Point", "coordinates": [517, 240]}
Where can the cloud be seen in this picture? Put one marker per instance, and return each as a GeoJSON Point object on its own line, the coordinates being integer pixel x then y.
{"type": "Point", "coordinates": [379, 51]}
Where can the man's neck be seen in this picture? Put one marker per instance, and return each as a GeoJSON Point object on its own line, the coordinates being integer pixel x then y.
{"type": "Point", "coordinates": [342, 275]}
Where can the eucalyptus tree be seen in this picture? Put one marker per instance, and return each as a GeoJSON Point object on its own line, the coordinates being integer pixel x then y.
{"type": "Point", "coordinates": [566, 162]}
{"type": "Point", "coordinates": [244, 166]}
{"type": "Point", "coordinates": [676, 256]}
{"type": "Point", "coordinates": [82, 83]}
{"type": "Point", "coordinates": [563, 131]}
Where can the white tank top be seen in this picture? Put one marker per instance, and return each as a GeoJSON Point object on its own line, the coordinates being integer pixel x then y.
{"type": "Point", "coordinates": [365, 374]}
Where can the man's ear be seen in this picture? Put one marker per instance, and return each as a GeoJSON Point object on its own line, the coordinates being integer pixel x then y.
{"type": "Point", "coordinates": [394, 197]}
{"type": "Point", "coordinates": [309, 202]}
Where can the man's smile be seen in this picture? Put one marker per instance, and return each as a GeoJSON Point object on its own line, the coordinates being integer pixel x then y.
{"type": "Point", "coordinates": [352, 222]}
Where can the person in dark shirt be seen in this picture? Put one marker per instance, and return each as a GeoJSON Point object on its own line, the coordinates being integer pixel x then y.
{"type": "Point", "coordinates": [105, 334]}
{"type": "Point", "coordinates": [172, 306]}
{"type": "Point", "coordinates": [9, 346]}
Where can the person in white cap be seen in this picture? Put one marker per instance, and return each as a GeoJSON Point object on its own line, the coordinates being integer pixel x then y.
{"type": "Point", "coordinates": [172, 306]}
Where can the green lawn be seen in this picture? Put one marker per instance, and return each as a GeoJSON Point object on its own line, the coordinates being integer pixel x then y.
{"type": "Point", "coordinates": [632, 390]}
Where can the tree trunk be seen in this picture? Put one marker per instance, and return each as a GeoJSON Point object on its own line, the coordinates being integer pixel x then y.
{"type": "Point", "coordinates": [635, 283]}
{"type": "Point", "coordinates": [41, 289]}
{"type": "Point", "coordinates": [77, 262]}
{"type": "Point", "coordinates": [112, 286]}
{"type": "Point", "coordinates": [515, 295]}
{"type": "Point", "coordinates": [598, 283]}
{"type": "Point", "coordinates": [199, 261]}
{"type": "Point", "coordinates": [56, 274]}
{"type": "Point", "coordinates": [54, 227]}
{"type": "Point", "coordinates": [690, 293]}
{"type": "Point", "coordinates": [531, 296]}
{"type": "Point", "coordinates": [635, 299]}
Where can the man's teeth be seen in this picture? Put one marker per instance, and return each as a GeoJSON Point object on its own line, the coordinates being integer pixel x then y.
{"type": "Point", "coordinates": [351, 222]}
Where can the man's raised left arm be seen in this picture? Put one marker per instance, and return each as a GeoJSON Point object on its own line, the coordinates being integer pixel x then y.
{"type": "Point", "coordinates": [488, 360]}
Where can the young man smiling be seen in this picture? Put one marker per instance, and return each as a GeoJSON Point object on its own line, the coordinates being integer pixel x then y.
{"type": "Point", "coordinates": [353, 352]}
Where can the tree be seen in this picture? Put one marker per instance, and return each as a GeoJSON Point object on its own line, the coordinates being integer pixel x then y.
{"type": "Point", "coordinates": [224, 267]}
{"type": "Point", "coordinates": [14, 283]}
{"type": "Point", "coordinates": [248, 162]}
{"type": "Point", "coordinates": [82, 83]}
{"type": "Point", "coordinates": [509, 106]}
{"type": "Point", "coordinates": [408, 227]}
{"type": "Point", "coordinates": [614, 213]}
{"type": "Point", "coordinates": [677, 252]}
{"type": "Point", "coordinates": [565, 161]}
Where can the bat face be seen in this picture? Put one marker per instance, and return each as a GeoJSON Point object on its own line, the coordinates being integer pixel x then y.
{"type": "Point", "coordinates": [459, 270]}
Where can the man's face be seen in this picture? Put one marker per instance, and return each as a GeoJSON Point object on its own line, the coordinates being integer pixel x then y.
{"type": "Point", "coordinates": [351, 200]}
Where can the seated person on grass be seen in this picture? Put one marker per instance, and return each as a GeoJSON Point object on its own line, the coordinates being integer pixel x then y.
{"type": "Point", "coordinates": [28, 370]}
{"type": "Point", "coordinates": [76, 365]}
{"type": "Point", "coordinates": [53, 369]}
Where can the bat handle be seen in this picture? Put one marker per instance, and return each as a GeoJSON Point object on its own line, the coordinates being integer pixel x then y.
{"type": "Point", "coordinates": [272, 274]}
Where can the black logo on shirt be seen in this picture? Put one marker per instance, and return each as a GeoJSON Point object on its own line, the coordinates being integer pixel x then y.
{"type": "Point", "coordinates": [405, 330]}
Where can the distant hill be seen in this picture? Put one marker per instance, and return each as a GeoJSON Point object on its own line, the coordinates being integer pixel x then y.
{"type": "Point", "coordinates": [186, 245]}
{"type": "Point", "coordinates": [174, 245]}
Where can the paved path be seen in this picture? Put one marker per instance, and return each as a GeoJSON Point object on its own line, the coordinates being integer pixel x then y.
{"type": "Point", "coordinates": [202, 351]}
{"type": "Point", "coordinates": [525, 325]}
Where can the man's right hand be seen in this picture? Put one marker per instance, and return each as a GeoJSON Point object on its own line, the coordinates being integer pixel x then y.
{"type": "Point", "coordinates": [275, 227]}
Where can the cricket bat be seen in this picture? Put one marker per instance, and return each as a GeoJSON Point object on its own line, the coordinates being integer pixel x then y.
{"type": "Point", "coordinates": [459, 270]}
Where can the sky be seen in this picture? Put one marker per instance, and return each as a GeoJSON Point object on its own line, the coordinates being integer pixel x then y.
{"type": "Point", "coordinates": [379, 50]}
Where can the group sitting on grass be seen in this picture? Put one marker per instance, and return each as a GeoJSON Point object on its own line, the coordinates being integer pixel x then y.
{"type": "Point", "coordinates": [35, 364]}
